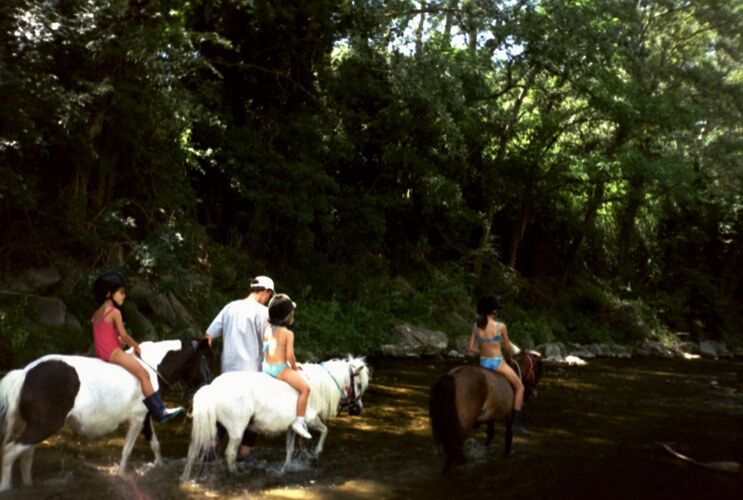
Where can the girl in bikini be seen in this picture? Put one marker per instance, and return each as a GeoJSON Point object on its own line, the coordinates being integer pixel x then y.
{"type": "Point", "coordinates": [279, 361]}
{"type": "Point", "coordinates": [488, 339]}
{"type": "Point", "coordinates": [109, 333]}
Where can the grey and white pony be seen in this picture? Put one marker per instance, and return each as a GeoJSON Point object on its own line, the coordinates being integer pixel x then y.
{"type": "Point", "coordinates": [90, 396]}
{"type": "Point", "coordinates": [265, 405]}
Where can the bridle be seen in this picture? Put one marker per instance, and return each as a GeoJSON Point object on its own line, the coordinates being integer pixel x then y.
{"type": "Point", "coordinates": [349, 398]}
{"type": "Point", "coordinates": [530, 374]}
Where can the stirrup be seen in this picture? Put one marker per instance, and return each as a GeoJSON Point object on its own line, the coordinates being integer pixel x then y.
{"type": "Point", "coordinates": [520, 429]}
{"type": "Point", "coordinates": [301, 429]}
{"type": "Point", "coordinates": [170, 414]}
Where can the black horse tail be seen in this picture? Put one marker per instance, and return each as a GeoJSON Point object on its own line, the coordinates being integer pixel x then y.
{"type": "Point", "coordinates": [444, 419]}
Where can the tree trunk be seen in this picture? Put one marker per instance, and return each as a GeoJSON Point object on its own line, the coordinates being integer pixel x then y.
{"type": "Point", "coordinates": [627, 229]}
{"type": "Point", "coordinates": [419, 31]}
{"type": "Point", "coordinates": [520, 228]}
{"type": "Point", "coordinates": [506, 135]}
{"type": "Point", "coordinates": [449, 22]}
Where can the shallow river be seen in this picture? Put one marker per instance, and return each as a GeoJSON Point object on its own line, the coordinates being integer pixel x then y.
{"type": "Point", "coordinates": [594, 435]}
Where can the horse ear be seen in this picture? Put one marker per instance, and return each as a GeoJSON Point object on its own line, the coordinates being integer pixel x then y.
{"type": "Point", "coordinates": [203, 345]}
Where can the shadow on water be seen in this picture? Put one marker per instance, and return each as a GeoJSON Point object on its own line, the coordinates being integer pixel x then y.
{"type": "Point", "coordinates": [594, 433]}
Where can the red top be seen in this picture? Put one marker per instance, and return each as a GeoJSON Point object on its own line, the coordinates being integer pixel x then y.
{"type": "Point", "coordinates": [105, 337]}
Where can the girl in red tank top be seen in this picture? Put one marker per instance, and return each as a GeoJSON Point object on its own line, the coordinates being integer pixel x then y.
{"type": "Point", "coordinates": [109, 333]}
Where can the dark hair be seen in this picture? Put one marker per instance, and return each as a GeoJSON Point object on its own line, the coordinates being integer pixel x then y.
{"type": "Point", "coordinates": [280, 310]}
{"type": "Point", "coordinates": [487, 304]}
{"type": "Point", "coordinates": [107, 283]}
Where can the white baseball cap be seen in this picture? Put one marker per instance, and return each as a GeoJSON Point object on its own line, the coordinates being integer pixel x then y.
{"type": "Point", "coordinates": [262, 281]}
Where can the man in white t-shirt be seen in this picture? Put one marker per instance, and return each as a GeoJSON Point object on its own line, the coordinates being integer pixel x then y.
{"type": "Point", "coordinates": [241, 324]}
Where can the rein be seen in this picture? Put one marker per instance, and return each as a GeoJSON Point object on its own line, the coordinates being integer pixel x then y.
{"type": "Point", "coordinates": [530, 375]}
{"type": "Point", "coordinates": [346, 399]}
{"type": "Point", "coordinates": [160, 375]}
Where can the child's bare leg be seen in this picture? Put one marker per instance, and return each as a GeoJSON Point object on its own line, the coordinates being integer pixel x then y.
{"type": "Point", "coordinates": [131, 365]}
{"type": "Point", "coordinates": [518, 397]}
{"type": "Point", "coordinates": [294, 379]}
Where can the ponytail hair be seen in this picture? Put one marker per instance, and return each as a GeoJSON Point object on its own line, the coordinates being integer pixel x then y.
{"type": "Point", "coordinates": [482, 321]}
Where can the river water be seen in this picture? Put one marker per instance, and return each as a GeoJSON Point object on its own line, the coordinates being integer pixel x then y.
{"type": "Point", "coordinates": [594, 428]}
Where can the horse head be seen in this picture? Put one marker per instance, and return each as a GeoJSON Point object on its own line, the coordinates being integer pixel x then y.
{"type": "Point", "coordinates": [179, 360]}
{"type": "Point", "coordinates": [359, 375]}
{"type": "Point", "coordinates": [529, 367]}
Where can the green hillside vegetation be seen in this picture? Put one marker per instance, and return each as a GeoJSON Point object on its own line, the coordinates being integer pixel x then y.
{"type": "Point", "coordinates": [382, 161]}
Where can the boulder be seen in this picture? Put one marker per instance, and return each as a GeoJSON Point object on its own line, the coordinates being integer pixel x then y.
{"type": "Point", "coordinates": [138, 325]}
{"type": "Point", "coordinates": [582, 351]}
{"type": "Point", "coordinates": [409, 341]}
{"type": "Point", "coordinates": [169, 308]}
{"type": "Point", "coordinates": [651, 348]}
{"type": "Point", "coordinates": [32, 281]}
{"type": "Point", "coordinates": [553, 351]}
{"type": "Point", "coordinates": [46, 311]}
{"type": "Point", "coordinates": [714, 349]}
{"type": "Point", "coordinates": [71, 322]}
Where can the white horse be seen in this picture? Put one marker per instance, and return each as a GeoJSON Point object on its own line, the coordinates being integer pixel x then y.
{"type": "Point", "coordinates": [90, 396]}
{"type": "Point", "coordinates": [263, 404]}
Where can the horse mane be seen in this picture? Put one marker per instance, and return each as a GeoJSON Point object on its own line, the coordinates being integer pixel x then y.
{"type": "Point", "coordinates": [326, 395]}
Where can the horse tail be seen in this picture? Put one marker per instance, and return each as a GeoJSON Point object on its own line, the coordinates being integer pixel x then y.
{"type": "Point", "coordinates": [10, 393]}
{"type": "Point", "coordinates": [444, 419]}
{"type": "Point", "coordinates": [204, 426]}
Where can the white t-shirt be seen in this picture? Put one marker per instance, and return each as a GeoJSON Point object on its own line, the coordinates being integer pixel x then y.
{"type": "Point", "coordinates": [241, 323]}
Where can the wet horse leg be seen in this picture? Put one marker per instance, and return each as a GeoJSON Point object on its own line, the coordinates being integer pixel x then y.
{"type": "Point", "coordinates": [10, 455]}
{"type": "Point", "coordinates": [290, 436]}
{"type": "Point", "coordinates": [319, 426]}
{"type": "Point", "coordinates": [149, 435]}
{"type": "Point", "coordinates": [509, 440]}
{"type": "Point", "coordinates": [27, 461]}
{"type": "Point", "coordinates": [230, 453]}
{"type": "Point", "coordinates": [135, 427]}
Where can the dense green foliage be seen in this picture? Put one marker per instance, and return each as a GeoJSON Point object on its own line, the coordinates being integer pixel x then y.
{"type": "Point", "coordinates": [386, 160]}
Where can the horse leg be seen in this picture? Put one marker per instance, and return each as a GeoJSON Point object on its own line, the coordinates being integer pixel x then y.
{"type": "Point", "coordinates": [27, 461]}
{"type": "Point", "coordinates": [319, 426]}
{"type": "Point", "coordinates": [10, 455]}
{"type": "Point", "coordinates": [290, 437]}
{"type": "Point", "coordinates": [490, 433]}
{"type": "Point", "coordinates": [151, 437]}
{"type": "Point", "coordinates": [230, 453]}
{"type": "Point", "coordinates": [509, 440]}
{"type": "Point", "coordinates": [135, 427]}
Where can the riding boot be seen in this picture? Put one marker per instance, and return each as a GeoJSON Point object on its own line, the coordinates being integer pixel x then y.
{"type": "Point", "coordinates": [154, 403]}
{"type": "Point", "coordinates": [300, 428]}
{"type": "Point", "coordinates": [517, 426]}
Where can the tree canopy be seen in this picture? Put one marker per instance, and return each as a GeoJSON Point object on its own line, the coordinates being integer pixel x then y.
{"type": "Point", "coordinates": [553, 145]}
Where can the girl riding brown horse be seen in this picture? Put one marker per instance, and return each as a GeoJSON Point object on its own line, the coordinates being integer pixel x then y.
{"type": "Point", "coordinates": [488, 339]}
{"type": "Point", "coordinates": [469, 395]}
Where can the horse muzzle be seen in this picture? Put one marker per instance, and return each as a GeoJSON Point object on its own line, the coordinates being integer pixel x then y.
{"type": "Point", "coordinates": [355, 408]}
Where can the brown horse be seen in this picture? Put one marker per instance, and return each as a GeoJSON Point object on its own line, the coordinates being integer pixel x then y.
{"type": "Point", "coordinates": [468, 396]}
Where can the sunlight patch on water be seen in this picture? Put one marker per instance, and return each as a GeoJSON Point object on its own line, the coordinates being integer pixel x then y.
{"type": "Point", "coordinates": [349, 489]}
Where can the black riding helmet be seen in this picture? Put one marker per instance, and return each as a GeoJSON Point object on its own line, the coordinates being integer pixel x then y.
{"type": "Point", "coordinates": [487, 304]}
{"type": "Point", "coordinates": [279, 309]}
{"type": "Point", "coordinates": [107, 283]}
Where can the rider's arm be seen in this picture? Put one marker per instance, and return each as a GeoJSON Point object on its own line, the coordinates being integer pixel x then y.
{"type": "Point", "coordinates": [123, 336]}
{"type": "Point", "coordinates": [290, 349]}
{"type": "Point", "coordinates": [506, 341]}
{"type": "Point", "coordinates": [472, 346]}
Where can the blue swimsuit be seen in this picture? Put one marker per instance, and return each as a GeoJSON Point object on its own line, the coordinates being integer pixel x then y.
{"type": "Point", "coordinates": [492, 362]}
{"type": "Point", "coordinates": [273, 370]}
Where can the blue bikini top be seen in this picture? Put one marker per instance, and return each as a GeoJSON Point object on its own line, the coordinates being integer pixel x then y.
{"type": "Point", "coordinates": [266, 343]}
{"type": "Point", "coordinates": [495, 338]}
